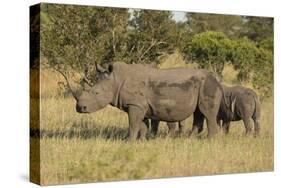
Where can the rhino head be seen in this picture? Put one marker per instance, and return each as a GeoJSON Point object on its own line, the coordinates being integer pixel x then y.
{"type": "Point", "coordinates": [93, 98]}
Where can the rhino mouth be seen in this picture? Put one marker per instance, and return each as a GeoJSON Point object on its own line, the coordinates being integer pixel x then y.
{"type": "Point", "coordinates": [83, 112]}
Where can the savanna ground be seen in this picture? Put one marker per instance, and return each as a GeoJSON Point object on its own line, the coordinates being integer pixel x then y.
{"type": "Point", "coordinates": [92, 147]}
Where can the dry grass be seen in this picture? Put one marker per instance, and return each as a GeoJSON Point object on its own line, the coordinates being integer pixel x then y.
{"type": "Point", "coordinates": [88, 148]}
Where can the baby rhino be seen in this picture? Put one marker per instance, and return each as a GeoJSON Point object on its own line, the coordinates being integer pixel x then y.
{"type": "Point", "coordinates": [242, 104]}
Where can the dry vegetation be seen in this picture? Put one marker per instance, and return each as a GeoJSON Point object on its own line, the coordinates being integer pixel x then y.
{"type": "Point", "coordinates": [86, 148]}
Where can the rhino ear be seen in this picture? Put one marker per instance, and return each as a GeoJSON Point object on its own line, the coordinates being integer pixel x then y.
{"type": "Point", "coordinates": [103, 72]}
{"type": "Point", "coordinates": [108, 70]}
{"type": "Point", "coordinates": [99, 68]}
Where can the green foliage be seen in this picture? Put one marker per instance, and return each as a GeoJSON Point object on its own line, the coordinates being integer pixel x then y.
{"type": "Point", "coordinates": [78, 36]}
{"type": "Point", "coordinates": [151, 36]}
{"type": "Point", "coordinates": [263, 73]}
{"type": "Point", "coordinates": [244, 58]}
{"type": "Point", "coordinates": [267, 43]}
{"type": "Point", "coordinates": [183, 39]}
{"type": "Point", "coordinates": [211, 50]}
{"type": "Point", "coordinates": [63, 42]}
{"type": "Point", "coordinates": [255, 64]}
{"type": "Point", "coordinates": [258, 28]}
{"type": "Point", "coordinates": [34, 31]}
{"type": "Point", "coordinates": [230, 25]}
{"type": "Point", "coordinates": [108, 27]}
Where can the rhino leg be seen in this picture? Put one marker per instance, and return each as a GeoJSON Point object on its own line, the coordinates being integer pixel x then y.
{"type": "Point", "coordinates": [248, 123]}
{"type": "Point", "coordinates": [136, 124]}
{"type": "Point", "coordinates": [212, 127]}
{"type": "Point", "coordinates": [219, 122]}
{"type": "Point", "coordinates": [198, 121]}
{"type": "Point", "coordinates": [257, 127]}
{"type": "Point", "coordinates": [172, 128]}
{"type": "Point", "coordinates": [143, 131]}
{"type": "Point", "coordinates": [256, 116]}
{"type": "Point", "coordinates": [146, 121]}
{"type": "Point", "coordinates": [181, 124]}
{"type": "Point", "coordinates": [154, 127]}
{"type": "Point", "coordinates": [210, 96]}
{"type": "Point", "coordinates": [225, 126]}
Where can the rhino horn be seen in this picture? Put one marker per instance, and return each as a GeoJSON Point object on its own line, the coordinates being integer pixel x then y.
{"type": "Point", "coordinates": [70, 85]}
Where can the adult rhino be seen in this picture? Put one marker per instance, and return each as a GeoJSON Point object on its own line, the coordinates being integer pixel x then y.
{"type": "Point", "coordinates": [240, 103]}
{"type": "Point", "coordinates": [169, 95]}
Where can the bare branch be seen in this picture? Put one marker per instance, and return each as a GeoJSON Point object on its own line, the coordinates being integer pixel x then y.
{"type": "Point", "coordinates": [153, 44]}
{"type": "Point", "coordinates": [113, 36]}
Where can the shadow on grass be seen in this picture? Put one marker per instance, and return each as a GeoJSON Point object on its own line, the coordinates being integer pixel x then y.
{"type": "Point", "coordinates": [82, 132]}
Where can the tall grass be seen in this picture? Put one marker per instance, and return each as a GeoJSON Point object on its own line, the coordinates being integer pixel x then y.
{"type": "Point", "coordinates": [92, 147]}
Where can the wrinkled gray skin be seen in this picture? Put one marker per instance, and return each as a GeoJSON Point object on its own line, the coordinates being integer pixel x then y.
{"type": "Point", "coordinates": [155, 123]}
{"type": "Point", "coordinates": [242, 104]}
{"type": "Point", "coordinates": [169, 95]}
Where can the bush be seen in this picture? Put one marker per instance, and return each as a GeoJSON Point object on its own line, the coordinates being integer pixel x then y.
{"type": "Point", "coordinates": [263, 73]}
{"type": "Point", "coordinates": [211, 50]}
{"type": "Point", "coordinates": [244, 58]}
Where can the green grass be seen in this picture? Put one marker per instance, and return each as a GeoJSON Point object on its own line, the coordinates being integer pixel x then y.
{"type": "Point", "coordinates": [92, 147]}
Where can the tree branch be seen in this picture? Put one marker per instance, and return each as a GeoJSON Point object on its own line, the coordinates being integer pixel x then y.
{"type": "Point", "coordinates": [113, 36]}
{"type": "Point", "coordinates": [152, 44]}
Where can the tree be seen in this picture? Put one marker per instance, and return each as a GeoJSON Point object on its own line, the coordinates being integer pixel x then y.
{"type": "Point", "coordinates": [258, 28]}
{"type": "Point", "coordinates": [244, 58]}
{"type": "Point", "coordinates": [109, 30]}
{"type": "Point", "coordinates": [79, 36]}
{"type": "Point", "coordinates": [230, 25]}
{"type": "Point", "coordinates": [267, 43]}
{"type": "Point", "coordinates": [150, 36]}
{"type": "Point", "coordinates": [263, 73]}
{"type": "Point", "coordinates": [254, 64]}
{"type": "Point", "coordinates": [211, 50]}
{"type": "Point", "coordinates": [66, 36]}
{"type": "Point", "coordinates": [182, 39]}
{"type": "Point", "coordinates": [34, 36]}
